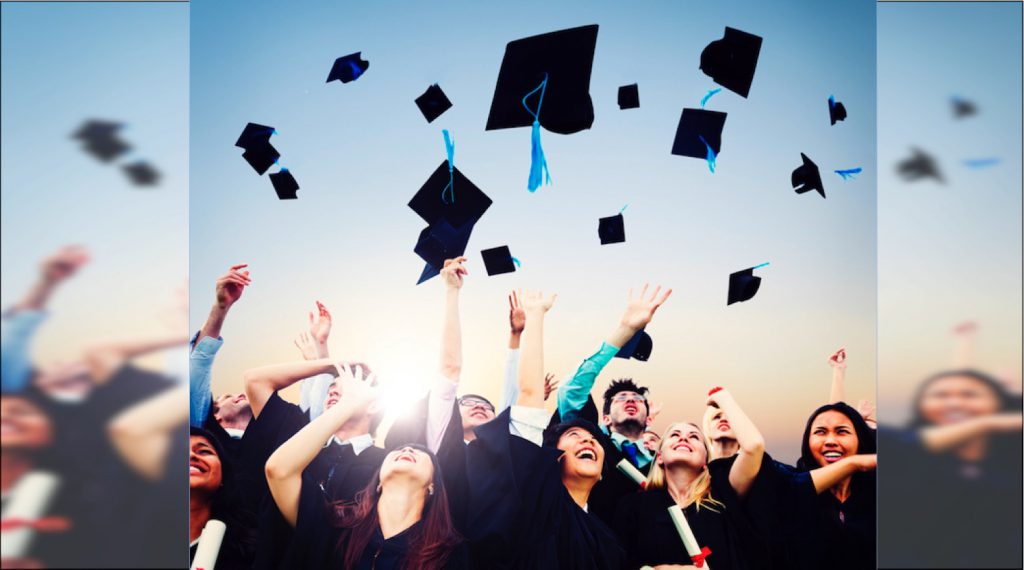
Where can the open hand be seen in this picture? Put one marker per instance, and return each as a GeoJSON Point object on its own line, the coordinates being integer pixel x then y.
{"type": "Point", "coordinates": [453, 272]}
{"type": "Point", "coordinates": [550, 385]}
{"type": "Point", "coordinates": [534, 301]}
{"type": "Point", "coordinates": [231, 285]}
{"type": "Point", "coordinates": [516, 314]}
{"type": "Point", "coordinates": [320, 328]}
{"type": "Point", "coordinates": [640, 309]}
{"type": "Point", "coordinates": [64, 263]}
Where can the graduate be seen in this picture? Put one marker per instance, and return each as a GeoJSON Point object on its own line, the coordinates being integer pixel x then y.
{"type": "Point", "coordinates": [710, 495]}
{"type": "Point", "coordinates": [529, 488]}
{"type": "Point", "coordinates": [399, 519]}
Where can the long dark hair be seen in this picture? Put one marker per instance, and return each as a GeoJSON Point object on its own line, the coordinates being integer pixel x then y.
{"type": "Point", "coordinates": [865, 435]}
{"type": "Point", "coordinates": [430, 545]}
{"type": "Point", "coordinates": [1007, 402]}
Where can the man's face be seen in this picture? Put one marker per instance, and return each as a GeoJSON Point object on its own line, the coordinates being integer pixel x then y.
{"type": "Point", "coordinates": [230, 407]}
{"type": "Point", "coordinates": [651, 441]}
{"type": "Point", "coordinates": [628, 410]}
{"type": "Point", "coordinates": [475, 411]}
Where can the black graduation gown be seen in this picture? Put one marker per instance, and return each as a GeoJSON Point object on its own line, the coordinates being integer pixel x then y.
{"type": "Point", "coordinates": [316, 542]}
{"type": "Point", "coordinates": [230, 445]}
{"type": "Point", "coordinates": [649, 537]}
{"type": "Point", "coordinates": [940, 511]}
{"type": "Point", "coordinates": [521, 515]}
{"type": "Point", "coordinates": [614, 484]}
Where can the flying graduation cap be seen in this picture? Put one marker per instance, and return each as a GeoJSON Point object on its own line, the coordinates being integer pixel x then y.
{"type": "Point", "coordinates": [638, 347]}
{"type": "Point", "coordinates": [731, 61]}
{"type": "Point", "coordinates": [348, 68]}
{"type": "Point", "coordinates": [920, 165]}
{"type": "Point", "coordinates": [433, 103]}
{"type": "Point", "coordinates": [284, 184]}
{"type": "Point", "coordinates": [498, 260]}
{"type": "Point", "coordinates": [629, 97]}
{"type": "Point", "coordinates": [100, 139]}
{"type": "Point", "coordinates": [141, 173]}
{"type": "Point", "coordinates": [743, 285]}
{"type": "Point", "coordinates": [259, 153]}
{"type": "Point", "coordinates": [836, 110]}
{"type": "Point", "coordinates": [612, 229]}
{"type": "Point", "coordinates": [699, 135]}
{"type": "Point", "coordinates": [544, 81]}
{"type": "Point", "coordinates": [963, 108]}
{"type": "Point", "coordinates": [807, 177]}
{"type": "Point", "coordinates": [440, 241]}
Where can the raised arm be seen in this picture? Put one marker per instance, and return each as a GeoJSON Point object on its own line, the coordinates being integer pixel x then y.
{"type": "Point", "coordinates": [229, 290]}
{"type": "Point", "coordinates": [572, 395]}
{"type": "Point", "coordinates": [824, 478]}
{"type": "Point", "coordinates": [141, 434]}
{"type": "Point", "coordinates": [104, 359]}
{"type": "Point", "coordinates": [285, 466]}
{"type": "Point", "coordinates": [313, 345]}
{"type": "Point", "coordinates": [54, 270]}
{"type": "Point", "coordinates": [531, 352]}
{"type": "Point", "coordinates": [451, 332]}
{"type": "Point", "coordinates": [838, 363]}
{"type": "Point", "coordinates": [262, 382]}
{"type": "Point", "coordinates": [938, 439]}
{"type": "Point", "coordinates": [516, 322]}
{"type": "Point", "coordinates": [748, 461]}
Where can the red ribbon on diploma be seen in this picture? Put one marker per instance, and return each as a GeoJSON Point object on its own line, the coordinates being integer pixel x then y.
{"type": "Point", "coordinates": [713, 390]}
{"type": "Point", "coordinates": [698, 559]}
{"type": "Point", "coordinates": [48, 524]}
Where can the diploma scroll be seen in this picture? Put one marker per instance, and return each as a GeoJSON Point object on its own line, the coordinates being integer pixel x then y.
{"type": "Point", "coordinates": [29, 500]}
{"type": "Point", "coordinates": [632, 472]}
{"type": "Point", "coordinates": [697, 554]}
{"type": "Point", "coordinates": [209, 545]}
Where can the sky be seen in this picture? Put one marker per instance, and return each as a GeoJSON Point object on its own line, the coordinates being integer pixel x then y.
{"type": "Point", "coordinates": [360, 151]}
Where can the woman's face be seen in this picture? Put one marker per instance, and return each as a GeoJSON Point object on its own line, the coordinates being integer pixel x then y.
{"type": "Point", "coordinates": [955, 399]}
{"type": "Point", "coordinates": [408, 463]}
{"type": "Point", "coordinates": [583, 457]}
{"type": "Point", "coordinates": [832, 438]}
{"type": "Point", "coordinates": [683, 445]}
{"type": "Point", "coordinates": [204, 468]}
{"type": "Point", "coordinates": [23, 425]}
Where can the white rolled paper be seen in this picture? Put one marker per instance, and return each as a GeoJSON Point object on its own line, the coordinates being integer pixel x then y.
{"type": "Point", "coordinates": [683, 528]}
{"type": "Point", "coordinates": [209, 545]}
{"type": "Point", "coordinates": [632, 472]}
{"type": "Point", "coordinates": [30, 498]}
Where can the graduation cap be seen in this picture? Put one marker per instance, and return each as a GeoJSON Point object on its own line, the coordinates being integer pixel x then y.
{"type": "Point", "coordinates": [807, 177]}
{"type": "Point", "coordinates": [836, 110]}
{"type": "Point", "coordinates": [467, 203]}
{"type": "Point", "coordinates": [629, 96]}
{"type": "Point", "coordinates": [731, 61]}
{"type": "Point", "coordinates": [612, 229]}
{"type": "Point", "coordinates": [743, 285]}
{"type": "Point", "coordinates": [284, 184]}
{"type": "Point", "coordinates": [920, 165]}
{"type": "Point", "coordinates": [101, 141]}
{"type": "Point", "coordinates": [545, 81]}
{"type": "Point", "coordinates": [433, 103]}
{"type": "Point", "coordinates": [963, 108]}
{"type": "Point", "coordinates": [254, 135]}
{"type": "Point", "coordinates": [440, 241]}
{"type": "Point", "coordinates": [699, 135]}
{"type": "Point", "coordinates": [348, 68]}
{"type": "Point", "coordinates": [261, 157]}
{"type": "Point", "coordinates": [141, 173]}
{"type": "Point", "coordinates": [638, 347]}
{"type": "Point", "coordinates": [498, 260]}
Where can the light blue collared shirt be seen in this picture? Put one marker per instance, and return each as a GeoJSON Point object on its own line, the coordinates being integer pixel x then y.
{"type": "Point", "coordinates": [572, 395]}
{"type": "Point", "coordinates": [16, 332]}
{"type": "Point", "coordinates": [200, 364]}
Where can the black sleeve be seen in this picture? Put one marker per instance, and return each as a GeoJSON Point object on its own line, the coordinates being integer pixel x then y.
{"type": "Point", "coordinates": [626, 527]}
{"type": "Point", "coordinates": [278, 421]}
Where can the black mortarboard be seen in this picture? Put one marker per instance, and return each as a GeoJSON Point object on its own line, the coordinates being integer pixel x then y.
{"type": "Point", "coordinates": [629, 96]}
{"type": "Point", "coordinates": [731, 61]}
{"type": "Point", "coordinates": [694, 125]}
{"type": "Point", "coordinates": [433, 103]}
{"type": "Point", "coordinates": [743, 285]}
{"type": "Point", "coordinates": [836, 110]}
{"type": "Point", "coordinates": [638, 347]}
{"type": "Point", "coordinates": [468, 202]}
{"type": "Point", "coordinates": [807, 177]}
{"type": "Point", "coordinates": [611, 229]}
{"type": "Point", "coordinates": [141, 173]}
{"type": "Point", "coordinates": [440, 241]}
{"type": "Point", "coordinates": [261, 157]}
{"type": "Point", "coordinates": [565, 57]}
{"type": "Point", "coordinates": [284, 184]}
{"type": "Point", "coordinates": [963, 108]}
{"type": "Point", "coordinates": [100, 138]}
{"type": "Point", "coordinates": [348, 68]}
{"type": "Point", "coordinates": [254, 135]}
{"type": "Point", "coordinates": [498, 260]}
{"type": "Point", "coordinates": [920, 165]}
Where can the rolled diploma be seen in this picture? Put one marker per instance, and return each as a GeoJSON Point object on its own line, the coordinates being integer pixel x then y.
{"type": "Point", "coordinates": [29, 500]}
{"type": "Point", "coordinates": [209, 545]}
{"type": "Point", "coordinates": [632, 472]}
{"type": "Point", "coordinates": [683, 528]}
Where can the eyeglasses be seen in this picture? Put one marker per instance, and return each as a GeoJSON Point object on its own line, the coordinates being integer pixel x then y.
{"type": "Point", "coordinates": [471, 402]}
{"type": "Point", "coordinates": [638, 398]}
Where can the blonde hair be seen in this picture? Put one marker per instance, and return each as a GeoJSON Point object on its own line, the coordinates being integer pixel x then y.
{"type": "Point", "coordinates": [699, 492]}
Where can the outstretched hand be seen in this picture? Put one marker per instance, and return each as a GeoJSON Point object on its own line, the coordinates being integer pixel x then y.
{"type": "Point", "coordinates": [64, 263]}
{"type": "Point", "coordinates": [320, 327]}
{"type": "Point", "coordinates": [535, 301]}
{"type": "Point", "coordinates": [516, 314]}
{"type": "Point", "coordinates": [307, 345]}
{"type": "Point", "coordinates": [640, 310]}
{"type": "Point", "coordinates": [231, 285]}
{"type": "Point", "coordinates": [652, 414]}
{"type": "Point", "coordinates": [550, 385]}
{"type": "Point", "coordinates": [838, 359]}
{"type": "Point", "coordinates": [357, 386]}
{"type": "Point", "coordinates": [453, 272]}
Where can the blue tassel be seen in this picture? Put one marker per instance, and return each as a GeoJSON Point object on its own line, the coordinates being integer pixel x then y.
{"type": "Point", "coordinates": [710, 93]}
{"type": "Point", "coordinates": [539, 173]}
{"type": "Point", "coordinates": [449, 148]}
{"type": "Point", "coordinates": [848, 173]}
{"type": "Point", "coordinates": [711, 154]}
{"type": "Point", "coordinates": [518, 264]}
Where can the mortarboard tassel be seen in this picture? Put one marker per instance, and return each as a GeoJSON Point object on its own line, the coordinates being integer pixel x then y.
{"type": "Point", "coordinates": [449, 147]}
{"type": "Point", "coordinates": [849, 172]}
{"type": "Point", "coordinates": [981, 162]}
{"type": "Point", "coordinates": [517, 262]}
{"type": "Point", "coordinates": [711, 154]}
{"type": "Point", "coordinates": [708, 96]}
{"type": "Point", "coordinates": [538, 164]}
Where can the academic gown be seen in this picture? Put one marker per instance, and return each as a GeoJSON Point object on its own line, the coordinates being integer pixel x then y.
{"type": "Point", "coordinates": [614, 484]}
{"type": "Point", "coordinates": [317, 540]}
{"type": "Point", "coordinates": [650, 538]}
{"type": "Point", "coordinates": [230, 445]}
{"type": "Point", "coordinates": [521, 515]}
